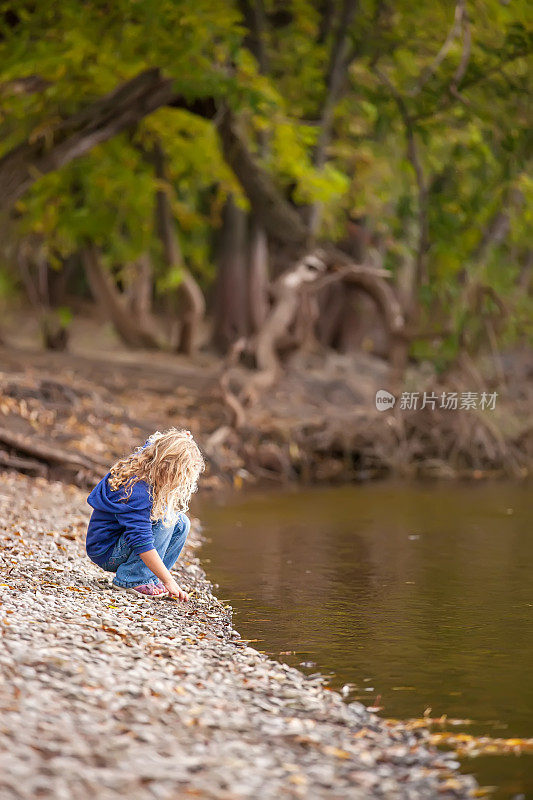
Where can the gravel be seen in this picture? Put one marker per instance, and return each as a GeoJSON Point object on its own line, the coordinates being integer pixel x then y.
{"type": "Point", "coordinates": [105, 694]}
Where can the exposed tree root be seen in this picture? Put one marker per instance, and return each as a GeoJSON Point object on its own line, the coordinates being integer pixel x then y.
{"type": "Point", "coordinates": [293, 290]}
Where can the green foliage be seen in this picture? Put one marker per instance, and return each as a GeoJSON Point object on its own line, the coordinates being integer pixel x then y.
{"type": "Point", "coordinates": [471, 132]}
{"type": "Point", "coordinates": [64, 315]}
{"type": "Point", "coordinates": [108, 196]}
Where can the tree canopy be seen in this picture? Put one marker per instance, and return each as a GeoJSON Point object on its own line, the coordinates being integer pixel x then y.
{"type": "Point", "coordinates": [407, 120]}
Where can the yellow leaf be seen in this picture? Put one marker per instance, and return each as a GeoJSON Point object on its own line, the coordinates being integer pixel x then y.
{"type": "Point", "coordinates": [337, 752]}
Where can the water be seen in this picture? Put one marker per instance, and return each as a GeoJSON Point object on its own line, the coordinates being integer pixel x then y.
{"type": "Point", "coordinates": [421, 596]}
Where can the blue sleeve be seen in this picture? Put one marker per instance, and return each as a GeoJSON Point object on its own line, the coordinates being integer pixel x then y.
{"type": "Point", "coordinates": [136, 520]}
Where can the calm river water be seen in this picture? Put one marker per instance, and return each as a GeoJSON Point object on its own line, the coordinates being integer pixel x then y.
{"type": "Point", "coordinates": [421, 596]}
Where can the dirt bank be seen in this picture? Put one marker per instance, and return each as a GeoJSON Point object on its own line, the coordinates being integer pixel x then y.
{"type": "Point", "coordinates": [69, 416]}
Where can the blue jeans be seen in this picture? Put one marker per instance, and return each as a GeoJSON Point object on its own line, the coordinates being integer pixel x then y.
{"type": "Point", "coordinates": [131, 570]}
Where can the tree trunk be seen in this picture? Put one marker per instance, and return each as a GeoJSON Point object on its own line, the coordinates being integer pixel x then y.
{"type": "Point", "coordinates": [255, 19]}
{"type": "Point", "coordinates": [361, 326]}
{"type": "Point", "coordinates": [258, 277]}
{"type": "Point", "coordinates": [109, 299]}
{"type": "Point", "coordinates": [55, 334]}
{"type": "Point", "coordinates": [140, 291]}
{"type": "Point", "coordinates": [231, 285]}
{"type": "Point", "coordinates": [280, 219]}
{"type": "Point", "coordinates": [38, 280]}
{"type": "Point", "coordinates": [331, 309]}
{"type": "Point", "coordinates": [190, 295]}
{"type": "Point", "coordinates": [338, 63]}
{"type": "Point", "coordinates": [192, 315]}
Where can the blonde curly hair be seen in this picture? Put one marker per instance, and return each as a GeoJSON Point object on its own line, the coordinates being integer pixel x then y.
{"type": "Point", "coordinates": [170, 463]}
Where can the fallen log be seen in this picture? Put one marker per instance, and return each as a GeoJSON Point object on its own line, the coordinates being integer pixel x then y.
{"type": "Point", "coordinates": [23, 464]}
{"type": "Point", "coordinates": [48, 453]}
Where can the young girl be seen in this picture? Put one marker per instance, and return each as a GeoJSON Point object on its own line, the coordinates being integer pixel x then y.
{"type": "Point", "coordinates": [138, 526]}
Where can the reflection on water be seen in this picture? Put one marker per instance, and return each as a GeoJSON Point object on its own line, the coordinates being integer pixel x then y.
{"type": "Point", "coordinates": [418, 595]}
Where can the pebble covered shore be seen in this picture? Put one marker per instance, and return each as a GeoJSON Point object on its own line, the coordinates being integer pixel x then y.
{"type": "Point", "coordinates": [108, 696]}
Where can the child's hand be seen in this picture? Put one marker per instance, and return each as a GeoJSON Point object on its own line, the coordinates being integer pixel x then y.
{"type": "Point", "coordinates": [175, 590]}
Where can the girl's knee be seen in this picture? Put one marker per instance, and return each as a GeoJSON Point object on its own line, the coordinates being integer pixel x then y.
{"type": "Point", "coordinates": [184, 524]}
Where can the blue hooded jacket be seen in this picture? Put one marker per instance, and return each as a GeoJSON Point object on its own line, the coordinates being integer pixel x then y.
{"type": "Point", "coordinates": [114, 515]}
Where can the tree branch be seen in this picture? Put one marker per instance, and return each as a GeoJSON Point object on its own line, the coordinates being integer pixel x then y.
{"type": "Point", "coordinates": [31, 84]}
{"type": "Point", "coordinates": [255, 20]}
{"type": "Point", "coordinates": [455, 30]}
{"type": "Point", "coordinates": [74, 136]}
{"type": "Point", "coordinates": [102, 119]}
{"type": "Point", "coordinates": [421, 182]}
{"type": "Point", "coordinates": [465, 55]}
{"type": "Point", "coordinates": [450, 96]}
{"type": "Point", "coordinates": [339, 60]}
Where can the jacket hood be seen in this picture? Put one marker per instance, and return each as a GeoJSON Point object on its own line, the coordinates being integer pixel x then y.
{"type": "Point", "coordinates": [114, 501]}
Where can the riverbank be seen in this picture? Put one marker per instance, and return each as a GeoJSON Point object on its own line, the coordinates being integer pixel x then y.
{"type": "Point", "coordinates": [67, 416]}
{"type": "Point", "coordinates": [114, 696]}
